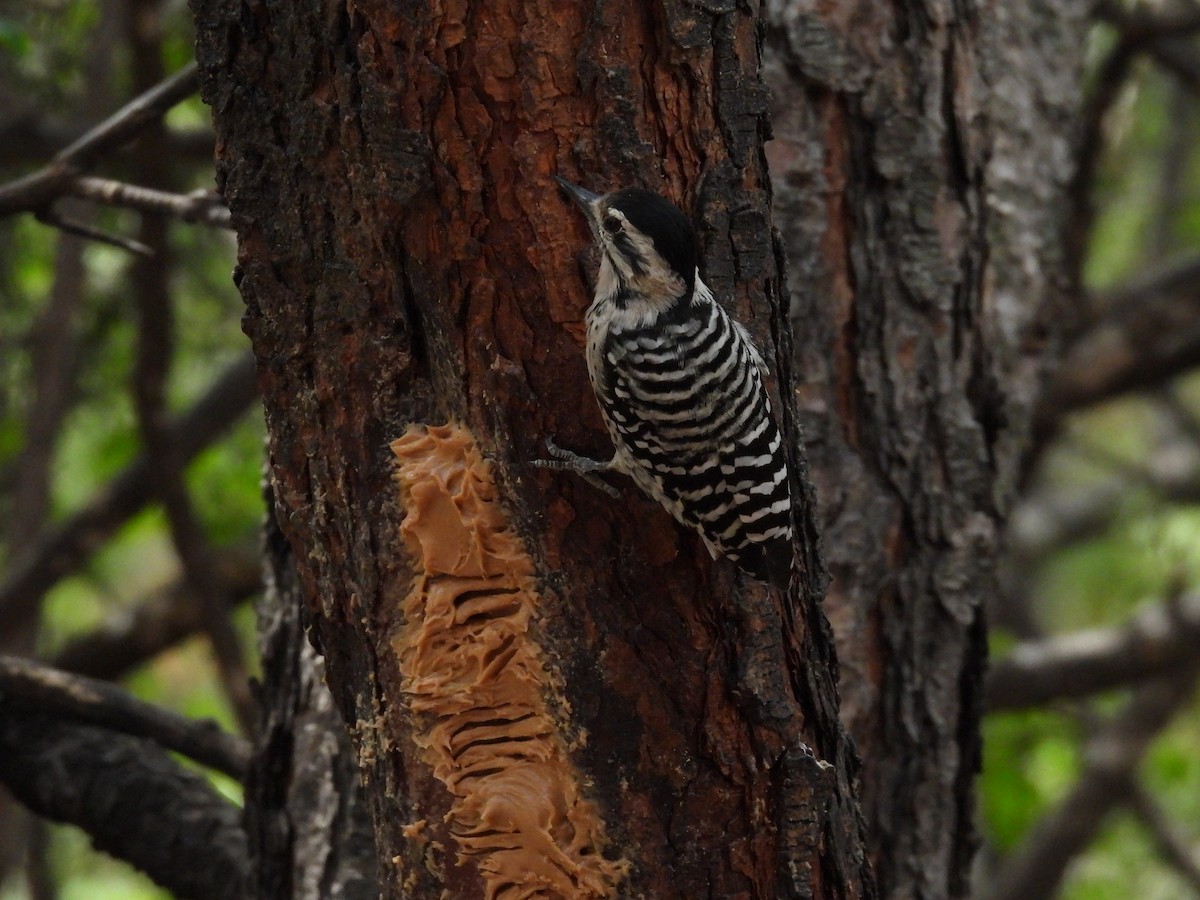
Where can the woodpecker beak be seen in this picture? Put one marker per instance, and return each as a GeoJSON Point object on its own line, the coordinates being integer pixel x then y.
{"type": "Point", "coordinates": [585, 199]}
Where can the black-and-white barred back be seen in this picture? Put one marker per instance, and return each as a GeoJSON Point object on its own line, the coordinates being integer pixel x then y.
{"type": "Point", "coordinates": [680, 387]}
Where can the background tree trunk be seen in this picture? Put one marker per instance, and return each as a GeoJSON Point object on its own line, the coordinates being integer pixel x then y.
{"type": "Point", "coordinates": [921, 162]}
{"type": "Point", "coordinates": [405, 259]}
{"type": "Point", "coordinates": [309, 833]}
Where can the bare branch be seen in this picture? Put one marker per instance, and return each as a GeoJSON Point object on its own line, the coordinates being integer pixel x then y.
{"type": "Point", "coordinates": [203, 207]}
{"type": "Point", "coordinates": [34, 685]}
{"type": "Point", "coordinates": [48, 216]}
{"type": "Point", "coordinates": [27, 139]}
{"type": "Point", "coordinates": [42, 187]}
{"type": "Point", "coordinates": [1154, 643]}
{"type": "Point", "coordinates": [38, 191]}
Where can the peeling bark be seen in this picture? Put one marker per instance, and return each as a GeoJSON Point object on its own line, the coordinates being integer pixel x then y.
{"type": "Point", "coordinates": [309, 833]}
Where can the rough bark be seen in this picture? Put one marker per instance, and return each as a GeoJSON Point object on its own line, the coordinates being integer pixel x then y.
{"type": "Point", "coordinates": [405, 259]}
{"type": "Point", "coordinates": [309, 834]}
{"type": "Point", "coordinates": [920, 164]}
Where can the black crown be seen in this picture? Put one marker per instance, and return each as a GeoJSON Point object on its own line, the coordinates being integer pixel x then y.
{"type": "Point", "coordinates": [660, 220]}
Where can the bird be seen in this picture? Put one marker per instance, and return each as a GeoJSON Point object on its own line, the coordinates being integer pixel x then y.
{"type": "Point", "coordinates": [680, 387]}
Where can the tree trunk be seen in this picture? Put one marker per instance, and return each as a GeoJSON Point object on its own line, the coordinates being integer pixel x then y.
{"type": "Point", "coordinates": [621, 716]}
{"type": "Point", "coordinates": [552, 693]}
{"type": "Point", "coordinates": [920, 166]}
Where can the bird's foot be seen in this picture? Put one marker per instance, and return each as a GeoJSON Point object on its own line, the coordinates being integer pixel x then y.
{"type": "Point", "coordinates": [565, 460]}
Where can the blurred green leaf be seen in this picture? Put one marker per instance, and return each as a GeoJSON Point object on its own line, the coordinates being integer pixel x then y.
{"type": "Point", "coordinates": [1030, 760]}
{"type": "Point", "coordinates": [13, 38]}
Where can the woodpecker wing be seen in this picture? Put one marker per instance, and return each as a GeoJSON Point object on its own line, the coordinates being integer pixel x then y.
{"type": "Point", "coordinates": [687, 410]}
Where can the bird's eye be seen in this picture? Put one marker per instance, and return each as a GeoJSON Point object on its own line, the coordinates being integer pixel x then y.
{"type": "Point", "coordinates": [612, 224]}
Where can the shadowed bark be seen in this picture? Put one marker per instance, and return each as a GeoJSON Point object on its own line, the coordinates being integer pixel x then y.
{"type": "Point", "coordinates": [308, 831]}
{"type": "Point", "coordinates": [134, 801]}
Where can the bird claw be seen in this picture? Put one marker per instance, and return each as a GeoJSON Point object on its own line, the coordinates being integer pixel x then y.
{"type": "Point", "coordinates": [584, 466]}
{"type": "Point", "coordinates": [600, 484]}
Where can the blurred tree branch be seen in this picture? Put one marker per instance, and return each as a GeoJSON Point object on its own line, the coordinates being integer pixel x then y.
{"type": "Point", "coordinates": [51, 181]}
{"type": "Point", "coordinates": [202, 207]}
{"type": "Point", "coordinates": [67, 547]}
{"type": "Point", "coordinates": [1157, 641]}
{"type": "Point", "coordinates": [1162, 34]}
{"type": "Point", "coordinates": [1140, 31]}
{"type": "Point", "coordinates": [26, 139]}
{"type": "Point", "coordinates": [1150, 335]}
{"type": "Point", "coordinates": [1035, 869]}
{"type": "Point", "coordinates": [33, 686]}
{"type": "Point", "coordinates": [133, 636]}
{"type": "Point", "coordinates": [154, 306]}
{"type": "Point", "coordinates": [1051, 518]}
{"type": "Point", "coordinates": [66, 174]}
{"type": "Point", "coordinates": [1173, 845]}
{"type": "Point", "coordinates": [132, 799]}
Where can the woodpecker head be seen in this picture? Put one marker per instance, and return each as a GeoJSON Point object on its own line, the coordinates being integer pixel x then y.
{"type": "Point", "coordinates": [647, 246]}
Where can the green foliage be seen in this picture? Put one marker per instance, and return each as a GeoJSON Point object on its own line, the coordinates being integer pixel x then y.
{"type": "Point", "coordinates": [1172, 770]}
{"type": "Point", "coordinates": [49, 40]}
{"type": "Point", "coordinates": [1030, 760]}
{"type": "Point", "coordinates": [14, 40]}
{"type": "Point", "coordinates": [1145, 198]}
{"type": "Point", "coordinates": [1121, 864]}
{"type": "Point", "coordinates": [87, 875]}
